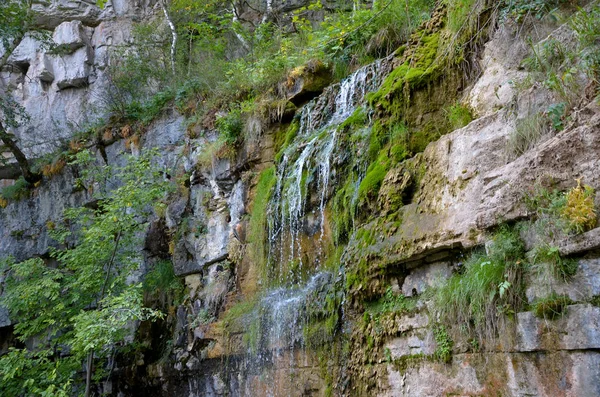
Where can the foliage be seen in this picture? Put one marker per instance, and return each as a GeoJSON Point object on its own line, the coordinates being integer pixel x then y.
{"type": "Point", "coordinates": [579, 209]}
{"type": "Point", "coordinates": [17, 191]}
{"type": "Point", "coordinates": [556, 114]}
{"type": "Point", "coordinates": [561, 268]}
{"type": "Point", "coordinates": [230, 126]}
{"type": "Point", "coordinates": [14, 18]}
{"type": "Point", "coordinates": [208, 71]}
{"type": "Point", "coordinates": [520, 9]}
{"type": "Point", "coordinates": [551, 307]}
{"type": "Point", "coordinates": [460, 13]}
{"type": "Point", "coordinates": [20, 371]}
{"type": "Point", "coordinates": [84, 301]}
{"type": "Point", "coordinates": [489, 286]}
{"type": "Point", "coordinates": [162, 278]}
{"type": "Point", "coordinates": [444, 344]}
{"type": "Point", "coordinates": [526, 134]}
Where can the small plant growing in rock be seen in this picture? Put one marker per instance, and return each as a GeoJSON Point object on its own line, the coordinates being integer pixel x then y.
{"type": "Point", "coordinates": [526, 134]}
{"type": "Point", "coordinates": [579, 209]}
{"type": "Point", "coordinates": [490, 286]}
{"type": "Point", "coordinates": [15, 192]}
{"type": "Point", "coordinates": [54, 168]}
{"type": "Point", "coordinates": [551, 307]}
{"type": "Point", "coordinates": [561, 268]}
{"type": "Point", "coordinates": [443, 351]}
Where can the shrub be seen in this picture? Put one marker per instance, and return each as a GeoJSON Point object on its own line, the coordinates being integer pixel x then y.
{"type": "Point", "coordinates": [579, 209]}
{"type": "Point", "coordinates": [162, 278]}
{"type": "Point", "coordinates": [230, 126]}
{"type": "Point", "coordinates": [551, 307]}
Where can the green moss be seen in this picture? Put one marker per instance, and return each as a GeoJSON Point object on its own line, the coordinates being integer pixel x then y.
{"type": "Point", "coordinates": [424, 136]}
{"type": "Point", "coordinates": [390, 303]}
{"type": "Point", "coordinates": [551, 307]}
{"type": "Point", "coordinates": [369, 186]}
{"type": "Point", "coordinates": [244, 317]}
{"type": "Point", "coordinates": [343, 210]}
{"type": "Point", "coordinates": [357, 119]}
{"type": "Point", "coordinates": [257, 227]}
{"type": "Point", "coordinates": [419, 69]}
{"type": "Point", "coordinates": [402, 364]}
{"type": "Point", "coordinates": [288, 138]}
{"type": "Point", "coordinates": [320, 333]}
{"type": "Point", "coordinates": [459, 116]}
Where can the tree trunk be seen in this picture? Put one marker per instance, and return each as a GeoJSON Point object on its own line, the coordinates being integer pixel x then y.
{"type": "Point", "coordinates": [28, 175]}
{"type": "Point", "coordinates": [173, 33]}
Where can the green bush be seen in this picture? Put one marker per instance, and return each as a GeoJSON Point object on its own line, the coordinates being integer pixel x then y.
{"type": "Point", "coordinates": [230, 126]}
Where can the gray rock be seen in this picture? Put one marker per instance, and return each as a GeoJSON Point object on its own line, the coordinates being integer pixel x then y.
{"type": "Point", "coordinates": [560, 373]}
{"type": "Point", "coordinates": [51, 13]}
{"type": "Point", "coordinates": [73, 70]}
{"type": "Point", "coordinates": [69, 36]}
{"type": "Point", "coordinates": [25, 53]}
{"type": "Point", "coordinates": [421, 278]}
{"type": "Point", "coordinates": [418, 341]}
{"type": "Point", "coordinates": [4, 317]}
{"type": "Point", "coordinates": [578, 329]}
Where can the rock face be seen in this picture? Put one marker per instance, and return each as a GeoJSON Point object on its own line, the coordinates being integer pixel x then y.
{"type": "Point", "coordinates": [429, 213]}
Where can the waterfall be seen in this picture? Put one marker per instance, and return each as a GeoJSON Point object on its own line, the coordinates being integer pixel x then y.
{"type": "Point", "coordinates": [300, 196]}
{"type": "Point", "coordinates": [307, 161]}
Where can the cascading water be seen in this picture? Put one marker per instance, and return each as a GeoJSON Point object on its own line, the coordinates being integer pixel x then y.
{"type": "Point", "coordinates": [308, 159]}
{"type": "Point", "coordinates": [301, 192]}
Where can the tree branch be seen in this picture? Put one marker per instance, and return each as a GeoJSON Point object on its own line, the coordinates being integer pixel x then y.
{"type": "Point", "coordinates": [22, 161]}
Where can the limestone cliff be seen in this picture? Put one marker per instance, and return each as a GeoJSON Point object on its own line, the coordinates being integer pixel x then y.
{"type": "Point", "coordinates": [316, 256]}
